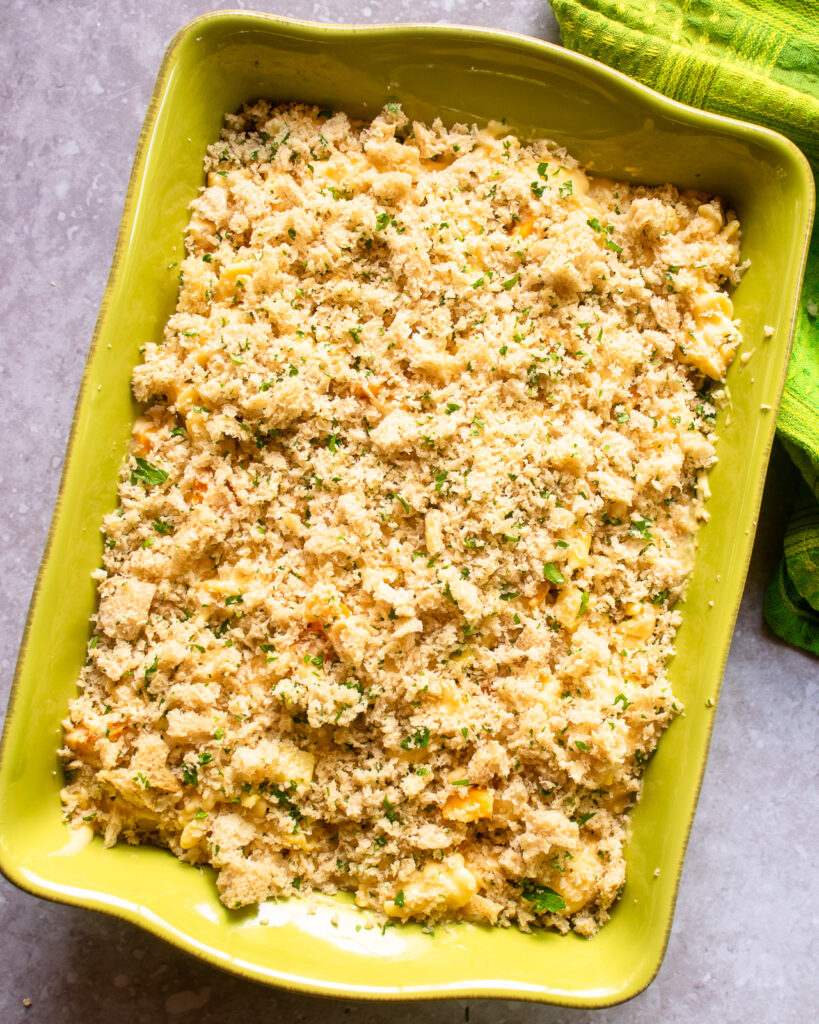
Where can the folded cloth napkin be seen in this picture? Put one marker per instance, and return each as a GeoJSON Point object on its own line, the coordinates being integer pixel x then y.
{"type": "Point", "coordinates": [757, 60]}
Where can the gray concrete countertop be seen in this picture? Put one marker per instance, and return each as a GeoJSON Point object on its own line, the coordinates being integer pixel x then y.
{"type": "Point", "coordinates": [76, 82]}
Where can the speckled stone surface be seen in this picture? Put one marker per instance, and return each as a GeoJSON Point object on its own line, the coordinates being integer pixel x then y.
{"type": "Point", "coordinates": [77, 75]}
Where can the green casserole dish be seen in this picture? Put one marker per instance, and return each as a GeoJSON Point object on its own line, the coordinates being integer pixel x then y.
{"type": "Point", "coordinates": [615, 127]}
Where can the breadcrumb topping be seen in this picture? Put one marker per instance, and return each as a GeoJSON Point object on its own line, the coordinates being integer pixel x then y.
{"type": "Point", "coordinates": [387, 600]}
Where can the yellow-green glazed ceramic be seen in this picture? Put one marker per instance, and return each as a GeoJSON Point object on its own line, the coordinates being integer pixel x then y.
{"type": "Point", "coordinates": [613, 126]}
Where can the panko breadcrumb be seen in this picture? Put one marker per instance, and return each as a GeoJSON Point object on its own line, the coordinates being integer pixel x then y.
{"type": "Point", "coordinates": [388, 597]}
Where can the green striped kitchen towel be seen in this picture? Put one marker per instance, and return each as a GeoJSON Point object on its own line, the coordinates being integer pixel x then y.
{"type": "Point", "coordinates": [757, 60]}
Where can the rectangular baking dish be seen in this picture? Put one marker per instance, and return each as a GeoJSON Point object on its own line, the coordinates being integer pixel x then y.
{"type": "Point", "coordinates": [613, 126]}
